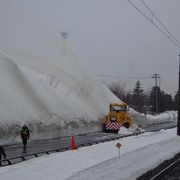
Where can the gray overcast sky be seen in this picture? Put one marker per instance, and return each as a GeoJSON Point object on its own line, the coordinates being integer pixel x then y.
{"type": "Point", "coordinates": [109, 36]}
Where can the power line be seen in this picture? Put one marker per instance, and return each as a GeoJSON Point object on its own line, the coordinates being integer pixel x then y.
{"type": "Point", "coordinates": [123, 77]}
{"type": "Point", "coordinates": [160, 22]}
{"type": "Point", "coordinates": [165, 85]}
{"type": "Point", "coordinates": [177, 44]}
{"type": "Point", "coordinates": [165, 34]}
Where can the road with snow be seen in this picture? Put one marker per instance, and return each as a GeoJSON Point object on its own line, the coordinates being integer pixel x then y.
{"type": "Point", "coordinates": [138, 155]}
{"type": "Point", "coordinates": [60, 143]}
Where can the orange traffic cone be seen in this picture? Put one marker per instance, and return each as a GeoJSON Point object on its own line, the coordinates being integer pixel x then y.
{"type": "Point", "coordinates": [73, 145]}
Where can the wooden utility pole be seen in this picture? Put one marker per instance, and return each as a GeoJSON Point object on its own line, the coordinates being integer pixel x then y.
{"type": "Point", "coordinates": [156, 76]}
{"type": "Point", "coordinates": [178, 120]}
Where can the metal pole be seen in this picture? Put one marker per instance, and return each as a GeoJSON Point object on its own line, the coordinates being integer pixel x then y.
{"type": "Point", "coordinates": [178, 120]}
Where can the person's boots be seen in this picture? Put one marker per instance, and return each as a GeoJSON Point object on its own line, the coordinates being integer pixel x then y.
{"type": "Point", "coordinates": [24, 148]}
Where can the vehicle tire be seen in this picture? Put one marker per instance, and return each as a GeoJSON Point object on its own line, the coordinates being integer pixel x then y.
{"type": "Point", "coordinates": [104, 128]}
{"type": "Point", "coordinates": [126, 125]}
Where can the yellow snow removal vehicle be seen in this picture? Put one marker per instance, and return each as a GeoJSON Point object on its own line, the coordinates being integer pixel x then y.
{"type": "Point", "coordinates": [117, 116]}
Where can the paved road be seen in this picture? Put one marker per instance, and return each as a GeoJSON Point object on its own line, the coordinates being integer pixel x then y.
{"type": "Point", "coordinates": [160, 125]}
{"type": "Point", "coordinates": [39, 146]}
{"type": "Point", "coordinates": [46, 145]}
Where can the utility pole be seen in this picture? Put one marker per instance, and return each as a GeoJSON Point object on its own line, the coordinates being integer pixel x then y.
{"type": "Point", "coordinates": [156, 76]}
{"type": "Point", "coordinates": [178, 120]}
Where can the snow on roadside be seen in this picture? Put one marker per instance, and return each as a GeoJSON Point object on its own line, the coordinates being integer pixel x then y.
{"type": "Point", "coordinates": [133, 129]}
{"type": "Point", "coordinates": [168, 116]}
{"type": "Point", "coordinates": [142, 121]}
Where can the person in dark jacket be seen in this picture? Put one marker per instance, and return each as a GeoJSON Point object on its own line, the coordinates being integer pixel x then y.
{"type": "Point", "coordinates": [2, 152]}
{"type": "Point", "coordinates": [24, 136]}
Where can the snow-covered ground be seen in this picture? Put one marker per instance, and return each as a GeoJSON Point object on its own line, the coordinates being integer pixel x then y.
{"type": "Point", "coordinates": [168, 116]}
{"type": "Point", "coordinates": [144, 121]}
{"type": "Point", "coordinates": [138, 154]}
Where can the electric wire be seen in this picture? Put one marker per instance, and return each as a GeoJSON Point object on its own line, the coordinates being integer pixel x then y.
{"type": "Point", "coordinates": [123, 77]}
{"type": "Point", "coordinates": [165, 34]}
{"type": "Point", "coordinates": [138, 78]}
{"type": "Point", "coordinates": [160, 22]}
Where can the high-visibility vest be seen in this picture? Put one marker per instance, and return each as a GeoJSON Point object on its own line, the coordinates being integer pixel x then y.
{"type": "Point", "coordinates": [25, 133]}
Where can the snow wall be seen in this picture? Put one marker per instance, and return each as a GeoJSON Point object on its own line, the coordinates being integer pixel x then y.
{"type": "Point", "coordinates": [54, 97]}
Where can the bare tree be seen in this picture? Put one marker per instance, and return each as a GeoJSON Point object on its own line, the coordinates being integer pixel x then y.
{"type": "Point", "coordinates": [53, 81]}
{"type": "Point", "coordinates": [140, 102]}
{"type": "Point", "coordinates": [119, 89]}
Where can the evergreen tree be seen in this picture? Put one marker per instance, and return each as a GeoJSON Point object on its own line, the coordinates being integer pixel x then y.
{"type": "Point", "coordinates": [152, 98]}
{"type": "Point", "coordinates": [176, 101]}
{"type": "Point", "coordinates": [164, 101]}
{"type": "Point", "coordinates": [138, 97]}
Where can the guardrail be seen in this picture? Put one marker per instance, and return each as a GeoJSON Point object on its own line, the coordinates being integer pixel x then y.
{"type": "Point", "coordinates": [18, 159]}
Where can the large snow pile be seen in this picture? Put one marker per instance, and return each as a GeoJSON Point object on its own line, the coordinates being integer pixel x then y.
{"type": "Point", "coordinates": [56, 102]}
{"type": "Point", "coordinates": [42, 82]}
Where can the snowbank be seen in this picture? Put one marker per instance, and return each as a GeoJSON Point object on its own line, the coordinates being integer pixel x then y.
{"type": "Point", "coordinates": [42, 82]}
{"type": "Point", "coordinates": [133, 129]}
{"type": "Point", "coordinates": [168, 116]}
{"type": "Point", "coordinates": [52, 105]}
{"type": "Point", "coordinates": [143, 121]}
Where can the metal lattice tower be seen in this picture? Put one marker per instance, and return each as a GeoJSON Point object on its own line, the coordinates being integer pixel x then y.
{"type": "Point", "coordinates": [64, 35]}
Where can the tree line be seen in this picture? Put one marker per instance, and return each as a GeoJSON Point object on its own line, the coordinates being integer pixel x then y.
{"type": "Point", "coordinates": [153, 101]}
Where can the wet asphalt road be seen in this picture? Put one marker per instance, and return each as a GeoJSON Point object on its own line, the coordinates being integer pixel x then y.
{"type": "Point", "coordinates": [46, 145]}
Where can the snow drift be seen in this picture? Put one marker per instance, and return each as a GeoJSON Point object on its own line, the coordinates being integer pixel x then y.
{"type": "Point", "coordinates": [51, 97]}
